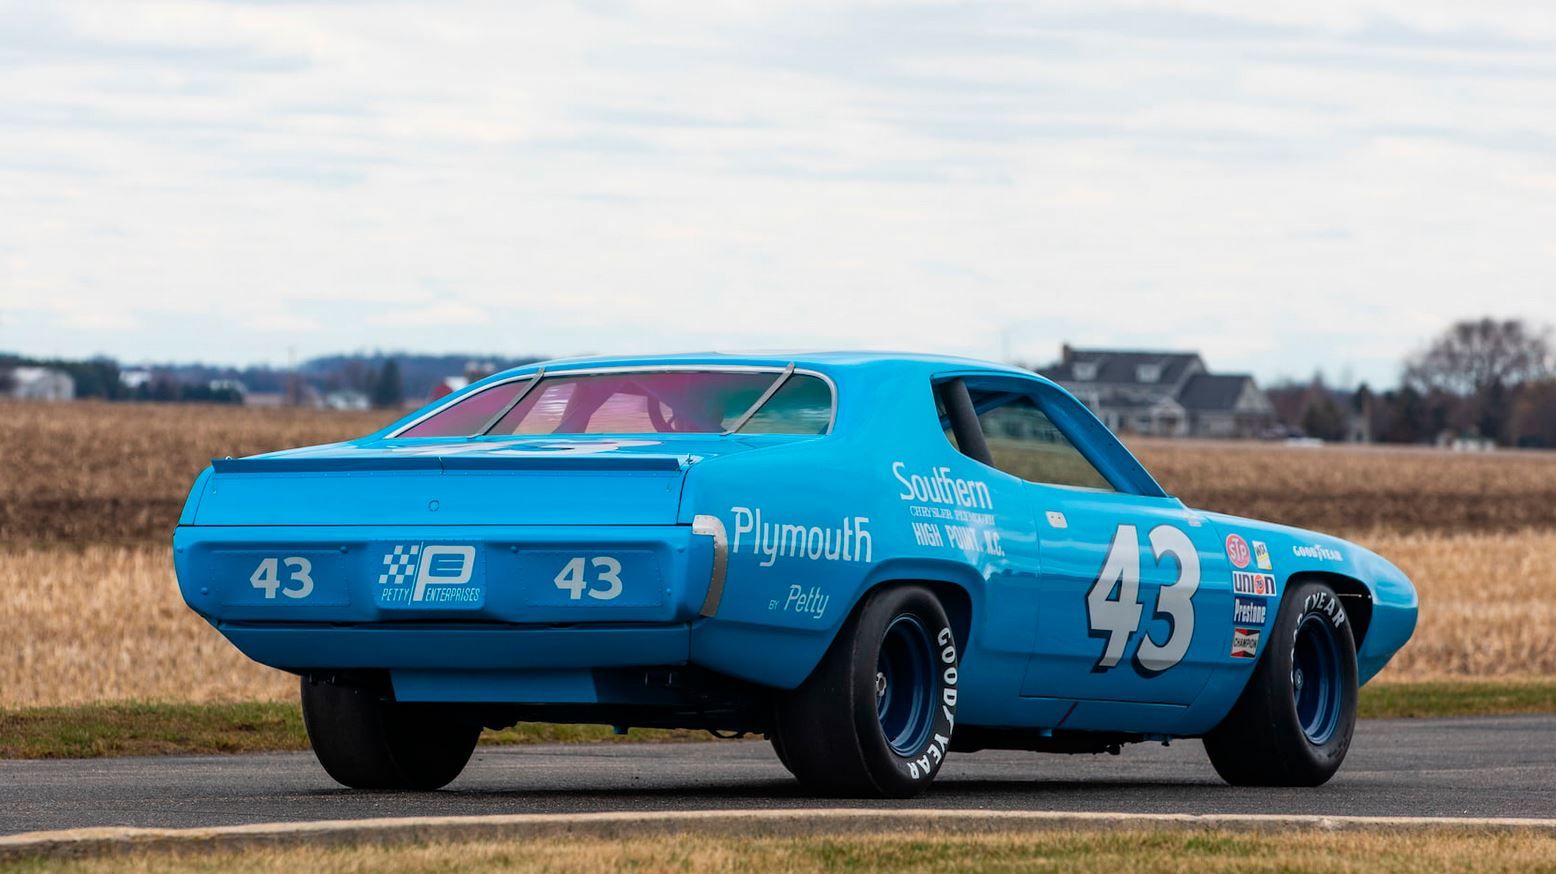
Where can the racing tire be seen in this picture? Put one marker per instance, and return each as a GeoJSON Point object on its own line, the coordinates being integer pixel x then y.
{"type": "Point", "coordinates": [783, 757]}
{"type": "Point", "coordinates": [1292, 726]}
{"type": "Point", "coordinates": [874, 719]}
{"type": "Point", "coordinates": [365, 740]}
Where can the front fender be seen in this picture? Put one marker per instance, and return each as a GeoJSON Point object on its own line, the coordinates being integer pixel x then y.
{"type": "Point", "coordinates": [1295, 554]}
{"type": "Point", "coordinates": [1395, 611]}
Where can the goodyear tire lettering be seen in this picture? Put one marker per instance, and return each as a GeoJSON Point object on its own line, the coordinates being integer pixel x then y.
{"type": "Point", "coordinates": [926, 764]}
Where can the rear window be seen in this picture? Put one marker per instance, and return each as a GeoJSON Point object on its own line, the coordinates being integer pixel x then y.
{"type": "Point", "coordinates": [656, 402]}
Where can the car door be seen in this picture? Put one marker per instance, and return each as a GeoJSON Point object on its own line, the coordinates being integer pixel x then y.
{"type": "Point", "coordinates": [1132, 585]}
{"type": "Point", "coordinates": [1134, 602]}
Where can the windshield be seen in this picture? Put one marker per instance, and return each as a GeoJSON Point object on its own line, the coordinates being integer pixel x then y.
{"type": "Point", "coordinates": [656, 402]}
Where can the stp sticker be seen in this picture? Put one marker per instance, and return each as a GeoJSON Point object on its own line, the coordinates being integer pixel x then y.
{"type": "Point", "coordinates": [1261, 556]}
{"type": "Point", "coordinates": [1247, 583]}
{"type": "Point", "coordinates": [1237, 551]}
{"type": "Point", "coordinates": [1245, 643]}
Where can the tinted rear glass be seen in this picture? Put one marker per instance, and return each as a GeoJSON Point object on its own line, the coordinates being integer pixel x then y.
{"type": "Point", "coordinates": [657, 402]}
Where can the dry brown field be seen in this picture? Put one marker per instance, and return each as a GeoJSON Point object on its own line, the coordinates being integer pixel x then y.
{"type": "Point", "coordinates": [89, 494]}
{"type": "Point", "coordinates": [99, 473]}
{"type": "Point", "coordinates": [1345, 489]}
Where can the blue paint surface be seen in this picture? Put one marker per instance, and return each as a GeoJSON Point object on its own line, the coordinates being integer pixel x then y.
{"type": "Point", "coordinates": [524, 562]}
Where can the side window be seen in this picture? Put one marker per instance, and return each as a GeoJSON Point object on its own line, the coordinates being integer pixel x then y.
{"type": "Point", "coordinates": [468, 416]}
{"type": "Point", "coordinates": [1013, 434]}
{"type": "Point", "coordinates": [945, 422]}
{"type": "Point", "coordinates": [1025, 443]}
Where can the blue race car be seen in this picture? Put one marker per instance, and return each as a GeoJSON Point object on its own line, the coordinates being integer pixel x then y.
{"type": "Point", "coordinates": [874, 560]}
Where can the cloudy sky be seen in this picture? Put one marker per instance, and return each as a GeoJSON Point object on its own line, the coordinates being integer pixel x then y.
{"type": "Point", "coordinates": [1320, 186]}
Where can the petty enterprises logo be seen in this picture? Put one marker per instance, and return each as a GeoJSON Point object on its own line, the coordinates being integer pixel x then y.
{"type": "Point", "coordinates": [421, 573]}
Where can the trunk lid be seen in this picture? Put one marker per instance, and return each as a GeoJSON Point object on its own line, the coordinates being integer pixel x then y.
{"type": "Point", "coordinates": [479, 481]}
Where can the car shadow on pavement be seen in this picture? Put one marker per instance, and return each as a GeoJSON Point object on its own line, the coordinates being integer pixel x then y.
{"type": "Point", "coordinates": [762, 792]}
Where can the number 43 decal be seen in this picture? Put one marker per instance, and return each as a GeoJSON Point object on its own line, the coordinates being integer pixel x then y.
{"type": "Point", "coordinates": [575, 583]}
{"type": "Point", "coordinates": [1118, 618]}
{"type": "Point", "coordinates": [267, 577]}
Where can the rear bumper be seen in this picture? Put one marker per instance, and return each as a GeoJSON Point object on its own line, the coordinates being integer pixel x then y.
{"type": "Point", "coordinates": [458, 648]}
{"type": "Point", "coordinates": [500, 617]}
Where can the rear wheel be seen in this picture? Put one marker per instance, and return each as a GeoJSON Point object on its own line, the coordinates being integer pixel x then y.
{"type": "Point", "coordinates": [366, 740]}
{"type": "Point", "coordinates": [1293, 724]}
{"type": "Point", "coordinates": [777, 741]}
{"type": "Point", "coordinates": [875, 718]}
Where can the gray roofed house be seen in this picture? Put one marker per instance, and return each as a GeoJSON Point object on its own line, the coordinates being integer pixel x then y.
{"type": "Point", "coordinates": [1167, 394]}
{"type": "Point", "coordinates": [39, 384]}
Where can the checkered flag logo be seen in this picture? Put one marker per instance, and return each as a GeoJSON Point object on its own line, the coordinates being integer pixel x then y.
{"type": "Point", "coordinates": [399, 565]}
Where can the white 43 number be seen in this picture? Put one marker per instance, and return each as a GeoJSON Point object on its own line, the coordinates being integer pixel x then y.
{"type": "Point", "coordinates": [267, 577]}
{"type": "Point", "coordinates": [572, 579]}
{"type": "Point", "coordinates": [1116, 618]}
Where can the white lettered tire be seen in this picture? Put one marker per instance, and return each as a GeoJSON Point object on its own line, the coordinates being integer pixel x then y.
{"type": "Point", "coordinates": [875, 718]}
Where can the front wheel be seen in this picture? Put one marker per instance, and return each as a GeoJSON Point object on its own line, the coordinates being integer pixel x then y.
{"type": "Point", "coordinates": [874, 720]}
{"type": "Point", "coordinates": [1293, 724]}
{"type": "Point", "coordinates": [366, 740]}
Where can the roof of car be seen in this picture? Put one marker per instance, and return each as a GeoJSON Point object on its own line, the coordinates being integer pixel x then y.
{"type": "Point", "coordinates": [826, 361]}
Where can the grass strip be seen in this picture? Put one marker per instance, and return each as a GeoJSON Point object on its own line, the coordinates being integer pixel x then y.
{"type": "Point", "coordinates": [146, 729]}
{"type": "Point", "coordinates": [1456, 698]}
{"type": "Point", "coordinates": [149, 729]}
{"type": "Point", "coordinates": [923, 850]}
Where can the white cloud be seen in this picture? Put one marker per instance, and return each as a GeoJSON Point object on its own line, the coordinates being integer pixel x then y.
{"type": "Point", "coordinates": [440, 315]}
{"type": "Point", "coordinates": [1285, 187]}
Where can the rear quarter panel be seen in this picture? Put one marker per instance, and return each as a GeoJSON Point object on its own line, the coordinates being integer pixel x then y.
{"type": "Point", "coordinates": [844, 495]}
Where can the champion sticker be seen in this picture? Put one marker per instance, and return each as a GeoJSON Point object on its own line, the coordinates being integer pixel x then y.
{"type": "Point", "coordinates": [1245, 643]}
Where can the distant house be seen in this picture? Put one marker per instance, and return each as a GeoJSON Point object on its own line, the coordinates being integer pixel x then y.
{"type": "Point", "coordinates": [347, 399]}
{"type": "Point", "coordinates": [41, 384]}
{"type": "Point", "coordinates": [447, 386]}
{"type": "Point", "coordinates": [229, 385]}
{"type": "Point", "coordinates": [1165, 394]}
{"type": "Point", "coordinates": [474, 372]}
{"type": "Point", "coordinates": [1465, 442]}
{"type": "Point", "coordinates": [135, 379]}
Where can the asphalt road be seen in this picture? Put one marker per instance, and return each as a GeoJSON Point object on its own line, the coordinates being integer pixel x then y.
{"type": "Point", "coordinates": [1441, 767]}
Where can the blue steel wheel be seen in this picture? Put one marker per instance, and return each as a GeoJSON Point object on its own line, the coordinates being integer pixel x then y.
{"type": "Point", "coordinates": [874, 719]}
{"type": "Point", "coordinates": [1316, 684]}
{"type": "Point", "coordinates": [905, 684]}
{"type": "Point", "coordinates": [1292, 725]}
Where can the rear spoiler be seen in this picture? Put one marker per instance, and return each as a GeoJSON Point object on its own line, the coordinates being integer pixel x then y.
{"type": "Point", "coordinates": [441, 464]}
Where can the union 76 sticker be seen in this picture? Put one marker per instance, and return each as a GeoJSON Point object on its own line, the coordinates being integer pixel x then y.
{"type": "Point", "coordinates": [430, 575]}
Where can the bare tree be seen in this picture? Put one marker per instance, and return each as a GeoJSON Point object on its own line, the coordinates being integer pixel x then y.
{"type": "Point", "coordinates": [1534, 414]}
{"type": "Point", "coordinates": [1477, 356]}
{"type": "Point", "coordinates": [1482, 364]}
